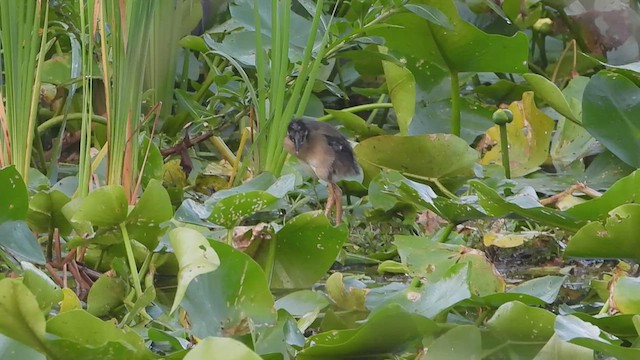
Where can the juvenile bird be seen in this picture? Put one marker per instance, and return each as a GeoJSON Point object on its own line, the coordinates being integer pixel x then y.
{"type": "Point", "coordinates": [327, 152]}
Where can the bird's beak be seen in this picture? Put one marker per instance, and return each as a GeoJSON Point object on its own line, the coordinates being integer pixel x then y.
{"type": "Point", "coordinates": [297, 143]}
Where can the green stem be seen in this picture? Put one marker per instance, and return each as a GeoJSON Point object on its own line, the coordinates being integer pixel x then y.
{"type": "Point", "coordinates": [230, 237]}
{"type": "Point", "coordinates": [271, 259]}
{"type": "Point", "coordinates": [57, 120]}
{"type": "Point", "coordinates": [358, 108]}
{"type": "Point", "coordinates": [374, 113]}
{"type": "Point", "coordinates": [446, 232]}
{"type": "Point", "coordinates": [131, 259]}
{"type": "Point", "coordinates": [504, 148]}
{"type": "Point", "coordinates": [9, 263]}
{"type": "Point", "coordinates": [455, 104]}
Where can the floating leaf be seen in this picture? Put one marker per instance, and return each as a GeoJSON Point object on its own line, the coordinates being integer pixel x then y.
{"type": "Point", "coordinates": [550, 93]}
{"type": "Point", "coordinates": [14, 199]}
{"type": "Point", "coordinates": [153, 208]}
{"type": "Point", "coordinates": [221, 348]}
{"type": "Point", "coordinates": [22, 319]}
{"type": "Point", "coordinates": [195, 257]}
{"type": "Point", "coordinates": [387, 329]}
{"type": "Point", "coordinates": [227, 300]}
{"type": "Point", "coordinates": [306, 247]}
{"type": "Point", "coordinates": [20, 242]}
{"type": "Point", "coordinates": [611, 113]}
{"type": "Point", "coordinates": [105, 206]}
{"type": "Point", "coordinates": [461, 342]}
{"type": "Point", "coordinates": [615, 238]}
{"type": "Point", "coordinates": [390, 152]}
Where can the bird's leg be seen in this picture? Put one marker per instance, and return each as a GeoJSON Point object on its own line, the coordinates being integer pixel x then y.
{"type": "Point", "coordinates": [337, 193]}
{"type": "Point", "coordinates": [330, 200]}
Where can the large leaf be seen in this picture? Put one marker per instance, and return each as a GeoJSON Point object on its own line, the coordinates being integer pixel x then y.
{"type": "Point", "coordinates": [306, 248]}
{"type": "Point", "coordinates": [570, 328]}
{"type": "Point", "coordinates": [221, 348]}
{"type": "Point", "coordinates": [465, 48]}
{"type": "Point", "coordinates": [106, 294]}
{"type": "Point", "coordinates": [522, 329]}
{"type": "Point", "coordinates": [550, 93]}
{"type": "Point", "coordinates": [615, 238]}
{"type": "Point", "coordinates": [13, 202]}
{"type": "Point", "coordinates": [434, 260]}
{"type": "Point", "coordinates": [528, 135]}
{"type": "Point", "coordinates": [402, 90]}
{"type": "Point", "coordinates": [390, 189]}
{"type": "Point", "coordinates": [105, 206]}
{"type": "Point", "coordinates": [19, 241]}
{"type": "Point", "coordinates": [195, 257]}
{"type": "Point", "coordinates": [229, 211]}
{"type": "Point", "coordinates": [21, 317]}
{"type": "Point", "coordinates": [525, 205]}
{"type": "Point", "coordinates": [611, 113]}
{"type": "Point", "coordinates": [461, 342]}
{"type": "Point", "coordinates": [431, 160]}
{"type": "Point", "coordinates": [387, 329]}
{"type": "Point", "coordinates": [45, 212]}
{"type": "Point", "coordinates": [153, 208]}
{"type": "Point", "coordinates": [227, 300]}
{"type": "Point", "coordinates": [12, 349]}
{"type": "Point", "coordinates": [430, 300]}
{"type": "Point", "coordinates": [572, 142]}
{"type": "Point", "coordinates": [47, 293]}
{"type": "Point", "coordinates": [80, 335]}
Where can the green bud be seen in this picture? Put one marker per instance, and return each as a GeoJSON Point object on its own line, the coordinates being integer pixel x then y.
{"type": "Point", "coordinates": [502, 116]}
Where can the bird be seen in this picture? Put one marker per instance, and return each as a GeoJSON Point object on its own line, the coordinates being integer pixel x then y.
{"type": "Point", "coordinates": [327, 152]}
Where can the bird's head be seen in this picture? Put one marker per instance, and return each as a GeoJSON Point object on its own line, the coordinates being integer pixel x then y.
{"type": "Point", "coordinates": [298, 133]}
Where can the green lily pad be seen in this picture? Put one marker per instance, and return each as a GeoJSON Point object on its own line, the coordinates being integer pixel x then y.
{"type": "Point", "coordinates": [153, 208]}
{"type": "Point", "coordinates": [434, 260]}
{"type": "Point", "coordinates": [465, 48]}
{"type": "Point", "coordinates": [434, 298]}
{"type": "Point", "coordinates": [461, 342]}
{"type": "Point", "coordinates": [571, 329]}
{"type": "Point", "coordinates": [18, 240]}
{"type": "Point", "coordinates": [389, 188]}
{"type": "Point", "coordinates": [522, 329]}
{"type": "Point", "coordinates": [572, 142]}
{"type": "Point", "coordinates": [615, 238]}
{"type": "Point", "coordinates": [302, 302]}
{"type": "Point", "coordinates": [523, 205]}
{"type": "Point", "coordinates": [625, 295]}
{"type": "Point", "coordinates": [558, 349]}
{"type": "Point", "coordinates": [387, 329]}
{"type": "Point", "coordinates": [402, 91]}
{"type": "Point", "coordinates": [625, 190]}
{"type": "Point", "coordinates": [550, 93]}
{"type": "Point", "coordinates": [12, 349]}
{"type": "Point", "coordinates": [229, 211]}
{"type": "Point", "coordinates": [22, 319]}
{"type": "Point", "coordinates": [306, 248]}
{"type": "Point", "coordinates": [105, 206]}
{"type": "Point", "coordinates": [195, 257]}
{"type": "Point", "coordinates": [390, 152]}
{"type": "Point", "coordinates": [221, 348]}
{"type": "Point", "coordinates": [611, 113]}
{"type": "Point", "coordinates": [225, 301]}
{"type": "Point", "coordinates": [528, 134]}
{"type": "Point", "coordinates": [106, 294]}
{"type": "Point", "coordinates": [79, 334]}
{"type": "Point", "coordinates": [45, 212]}
{"type": "Point", "coordinates": [47, 293]}
{"type": "Point", "coordinates": [13, 202]}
